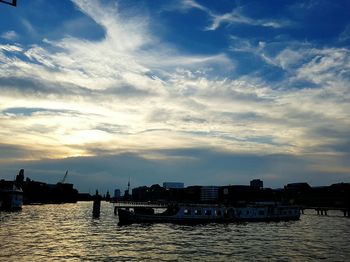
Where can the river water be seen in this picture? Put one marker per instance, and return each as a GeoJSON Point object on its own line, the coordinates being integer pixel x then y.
{"type": "Point", "coordinates": [68, 232]}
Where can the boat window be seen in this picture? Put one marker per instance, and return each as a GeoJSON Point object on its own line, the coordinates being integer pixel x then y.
{"type": "Point", "coordinates": [218, 212]}
{"type": "Point", "coordinates": [208, 212]}
{"type": "Point", "coordinates": [187, 212]}
{"type": "Point", "coordinates": [261, 212]}
{"type": "Point", "coordinates": [197, 212]}
{"type": "Point", "coordinates": [247, 212]}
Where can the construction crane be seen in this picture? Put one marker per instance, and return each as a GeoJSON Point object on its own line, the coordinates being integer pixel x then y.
{"type": "Point", "coordinates": [9, 2]}
{"type": "Point", "coordinates": [64, 177]}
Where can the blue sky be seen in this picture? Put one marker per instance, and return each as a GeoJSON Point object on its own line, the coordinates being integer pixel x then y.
{"type": "Point", "coordinates": [201, 92]}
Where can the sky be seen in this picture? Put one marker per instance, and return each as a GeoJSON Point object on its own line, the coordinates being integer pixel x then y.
{"type": "Point", "coordinates": [200, 92]}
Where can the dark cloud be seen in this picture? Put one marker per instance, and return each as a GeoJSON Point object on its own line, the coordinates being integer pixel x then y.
{"type": "Point", "coordinates": [196, 166]}
{"type": "Point", "coordinates": [35, 87]}
{"type": "Point", "coordinates": [26, 86]}
{"type": "Point", "coordinates": [127, 91]}
{"type": "Point", "coordinates": [28, 111]}
{"type": "Point", "coordinates": [342, 147]}
{"type": "Point", "coordinates": [192, 119]}
{"type": "Point", "coordinates": [112, 128]}
{"type": "Point", "coordinates": [245, 117]}
{"type": "Point", "coordinates": [12, 152]}
{"type": "Point", "coordinates": [331, 132]}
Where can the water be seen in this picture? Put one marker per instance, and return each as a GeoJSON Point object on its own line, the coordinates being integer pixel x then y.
{"type": "Point", "coordinates": [69, 233]}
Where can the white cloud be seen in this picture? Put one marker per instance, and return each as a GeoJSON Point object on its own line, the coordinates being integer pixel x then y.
{"type": "Point", "coordinates": [246, 45]}
{"type": "Point", "coordinates": [10, 48]}
{"type": "Point", "coordinates": [92, 77]}
{"type": "Point", "coordinates": [326, 65]}
{"type": "Point", "coordinates": [345, 35]}
{"type": "Point", "coordinates": [189, 4]}
{"type": "Point", "coordinates": [302, 61]}
{"type": "Point", "coordinates": [129, 91]}
{"type": "Point", "coordinates": [288, 57]}
{"type": "Point", "coordinates": [321, 66]}
{"type": "Point", "coordinates": [234, 17]}
{"type": "Point", "coordinates": [9, 35]}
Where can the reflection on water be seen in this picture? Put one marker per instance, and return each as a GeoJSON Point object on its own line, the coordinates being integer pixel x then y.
{"type": "Point", "coordinates": [68, 232]}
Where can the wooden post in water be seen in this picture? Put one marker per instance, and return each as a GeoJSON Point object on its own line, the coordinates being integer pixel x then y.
{"type": "Point", "coordinates": [346, 213]}
{"type": "Point", "coordinates": [96, 205]}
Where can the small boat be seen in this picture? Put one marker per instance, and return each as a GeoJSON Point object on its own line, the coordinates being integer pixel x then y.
{"type": "Point", "coordinates": [200, 214]}
{"type": "Point", "coordinates": [11, 198]}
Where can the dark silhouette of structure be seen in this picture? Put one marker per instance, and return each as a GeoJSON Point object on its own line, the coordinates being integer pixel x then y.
{"type": "Point", "coordinates": [43, 193]}
{"type": "Point", "coordinates": [96, 205]}
{"type": "Point", "coordinates": [336, 196]}
{"type": "Point", "coordinates": [9, 2]}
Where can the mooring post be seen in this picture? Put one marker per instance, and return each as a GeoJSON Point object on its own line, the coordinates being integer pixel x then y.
{"type": "Point", "coordinates": [96, 205]}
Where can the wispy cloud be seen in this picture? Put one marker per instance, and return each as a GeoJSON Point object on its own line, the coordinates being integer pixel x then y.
{"type": "Point", "coordinates": [28, 26]}
{"type": "Point", "coordinates": [305, 5]}
{"type": "Point", "coordinates": [109, 78]}
{"type": "Point", "coordinates": [186, 5]}
{"type": "Point", "coordinates": [236, 16]}
{"type": "Point", "coordinates": [300, 60]}
{"type": "Point", "coordinates": [10, 48]}
{"type": "Point", "coordinates": [326, 65]}
{"type": "Point", "coordinates": [9, 35]}
{"type": "Point", "coordinates": [345, 35]}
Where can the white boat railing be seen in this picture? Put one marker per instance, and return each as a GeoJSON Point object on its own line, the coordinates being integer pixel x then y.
{"type": "Point", "coordinates": [131, 204]}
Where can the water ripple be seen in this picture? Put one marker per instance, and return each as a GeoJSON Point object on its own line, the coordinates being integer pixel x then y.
{"type": "Point", "coordinates": [69, 233]}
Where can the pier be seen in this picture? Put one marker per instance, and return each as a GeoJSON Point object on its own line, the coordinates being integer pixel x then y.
{"type": "Point", "coordinates": [323, 211]}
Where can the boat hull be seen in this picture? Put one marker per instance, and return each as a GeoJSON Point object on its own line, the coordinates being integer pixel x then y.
{"type": "Point", "coordinates": [128, 217]}
{"type": "Point", "coordinates": [221, 215]}
{"type": "Point", "coordinates": [11, 200]}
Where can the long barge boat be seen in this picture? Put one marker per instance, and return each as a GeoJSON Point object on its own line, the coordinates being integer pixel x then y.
{"type": "Point", "coordinates": [200, 214]}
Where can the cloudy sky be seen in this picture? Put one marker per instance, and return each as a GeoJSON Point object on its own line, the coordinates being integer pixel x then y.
{"type": "Point", "coordinates": [201, 92]}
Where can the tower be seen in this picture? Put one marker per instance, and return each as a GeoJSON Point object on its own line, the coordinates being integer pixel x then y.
{"type": "Point", "coordinates": [129, 186]}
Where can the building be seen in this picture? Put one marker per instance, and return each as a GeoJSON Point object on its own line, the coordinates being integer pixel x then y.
{"type": "Point", "coordinates": [257, 183]}
{"type": "Point", "coordinates": [117, 193]}
{"type": "Point", "coordinates": [209, 193]}
{"type": "Point", "coordinates": [173, 185]}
